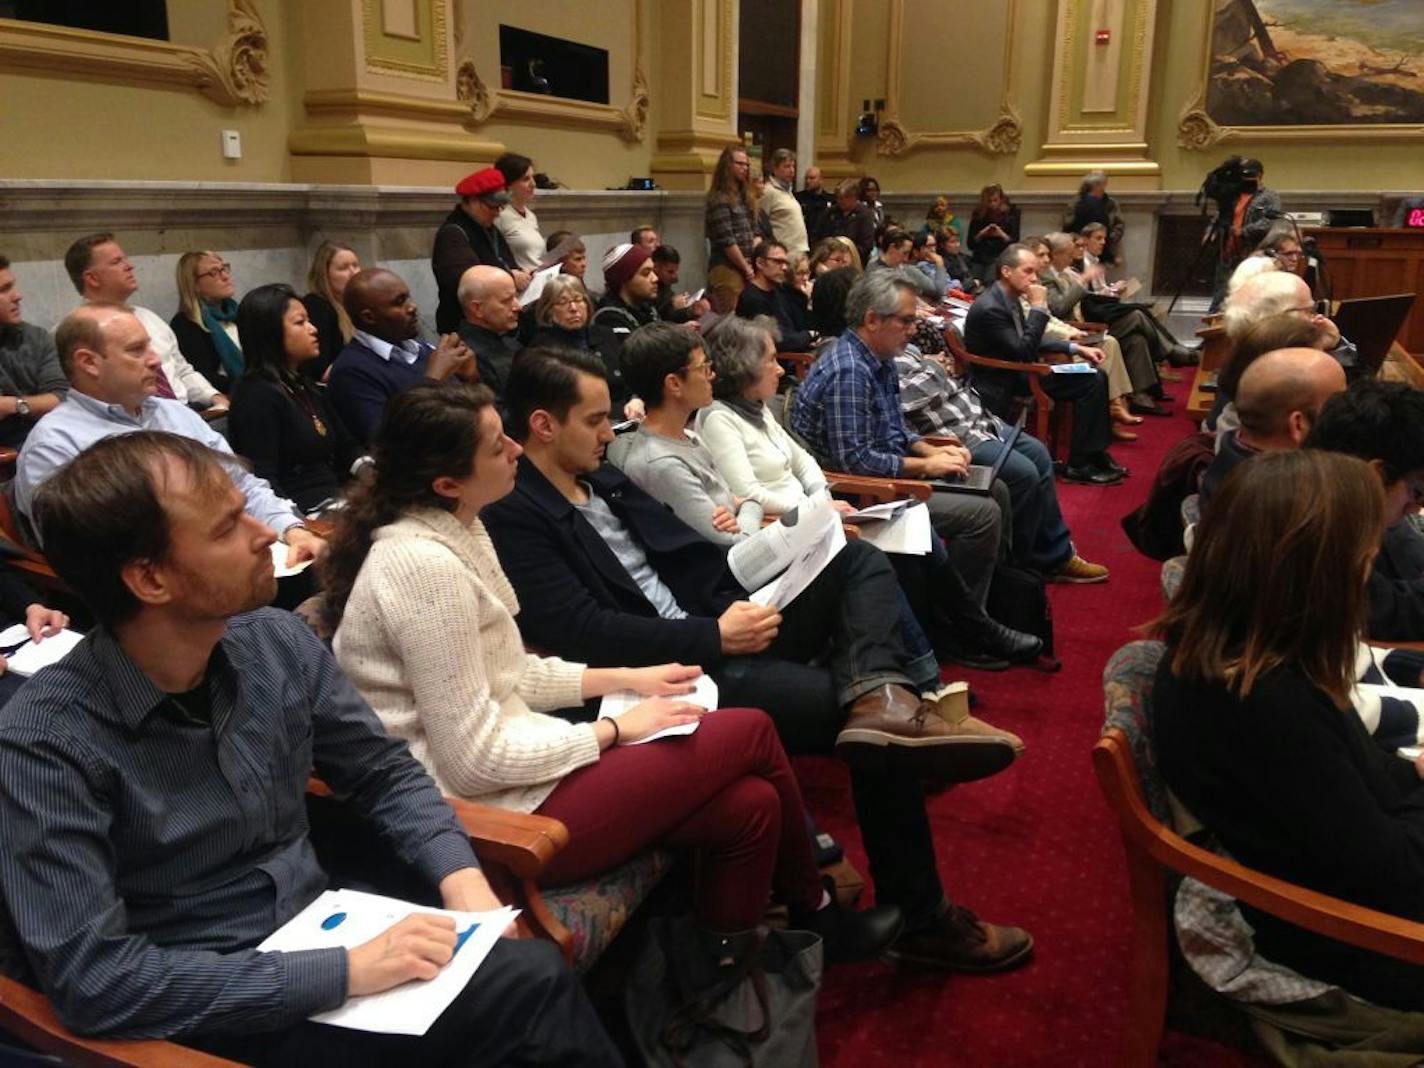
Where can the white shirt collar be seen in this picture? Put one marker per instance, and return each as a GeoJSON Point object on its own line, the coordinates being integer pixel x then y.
{"type": "Point", "coordinates": [407, 351]}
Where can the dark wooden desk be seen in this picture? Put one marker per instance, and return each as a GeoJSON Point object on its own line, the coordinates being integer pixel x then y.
{"type": "Point", "coordinates": [1377, 263]}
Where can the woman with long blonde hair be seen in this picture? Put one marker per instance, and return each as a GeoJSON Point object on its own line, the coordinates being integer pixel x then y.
{"type": "Point", "coordinates": [333, 265]}
{"type": "Point", "coordinates": [206, 322]}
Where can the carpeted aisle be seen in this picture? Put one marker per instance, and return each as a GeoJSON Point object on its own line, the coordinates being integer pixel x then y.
{"type": "Point", "coordinates": [1033, 846]}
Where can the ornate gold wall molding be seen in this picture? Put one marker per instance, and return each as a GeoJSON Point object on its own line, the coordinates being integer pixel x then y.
{"type": "Point", "coordinates": [484, 103]}
{"type": "Point", "coordinates": [232, 72]}
{"type": "Point", "coordinates": [1002, 137]}
{"type": "Point", "coordinates": [423, 57]}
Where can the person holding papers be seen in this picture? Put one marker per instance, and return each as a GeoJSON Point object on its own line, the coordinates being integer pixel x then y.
{"type": "Point", "coordinates": [760, 462]}
{"type": "Point", "coordinates": [18, 601]}
{"type": "Point", "coordinates": [424, 620]}
{"type": "Point", "coordinates": [679, 468]}
{"type": "Point", "coordinates": [606, 574]}
{"type": "Point", "coordinates": [152, 801]}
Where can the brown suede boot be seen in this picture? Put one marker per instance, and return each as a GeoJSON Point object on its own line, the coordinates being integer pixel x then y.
{"type": "Point", "coordinates": [960, 941]}
{"type": "Point", "coordinates": [951, 704]}
{"type": "Point", "coordinates": [891, 728]}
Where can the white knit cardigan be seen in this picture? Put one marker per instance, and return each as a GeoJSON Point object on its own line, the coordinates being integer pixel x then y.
{"type": "Point", "coordinates": [429, 638]}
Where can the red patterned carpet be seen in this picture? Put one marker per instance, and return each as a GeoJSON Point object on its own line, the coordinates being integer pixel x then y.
{"type": "Point", "coordinates": [1034, 845]}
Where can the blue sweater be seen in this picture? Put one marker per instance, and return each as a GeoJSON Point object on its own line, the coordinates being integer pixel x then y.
{"type": "Point", "coordinates": [361, 383]}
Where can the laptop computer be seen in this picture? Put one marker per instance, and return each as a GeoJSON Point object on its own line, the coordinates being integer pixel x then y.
{"type": "Point", "coordinates": [1373, 323]}
{"type": "Point", "coordinates": [979, 479]}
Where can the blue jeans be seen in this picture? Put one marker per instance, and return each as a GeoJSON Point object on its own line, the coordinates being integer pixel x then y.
{"type": "Point", "coordinates": [1041, 538]}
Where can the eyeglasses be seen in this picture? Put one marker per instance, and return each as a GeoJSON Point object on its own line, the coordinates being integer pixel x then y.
{"type": "Point", "coordinates": [222, 270]}
{"type": "Point", "coordinates": [705, 368]}
{"type": "Point", "coordinates": [567, 302]}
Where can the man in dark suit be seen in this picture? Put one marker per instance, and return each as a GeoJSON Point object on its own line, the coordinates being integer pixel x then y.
{"type": "Point", "coordinates": [816, 205]}
{"type": "Point", "coordinates": [467, 237]}
{"type": "Point", "coordinates": [606, 574]}
{"type": "Point", "coordinates": [998, 328]}
{"type": "Point", "coordinates": [384, 356]}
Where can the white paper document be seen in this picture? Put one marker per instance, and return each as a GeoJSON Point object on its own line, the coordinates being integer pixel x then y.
{"type": "Point", "coordinates": [908, 534]}
{"type": "Point", "coordinates": [704, 693]}
{"type": "Point", "coordinates": [346, 918]}
{"type": "Point", "coordinates": [757, 560]}
{"type": "Point", "coordinates": [821, 539]}
{"type": "Point", "coordinates": [1072, 368]}
{"type": "Point", "coordinates": [30, 657]}
{"type": "Point", "coordinates": [279, 561]}
{"type": "Point", "coordinates": [537, 283]}
{"type": "Point", "coordinates": [887, 511]}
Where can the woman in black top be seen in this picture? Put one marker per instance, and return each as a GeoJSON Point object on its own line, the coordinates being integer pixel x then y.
{"type": "Point", "coordinates": [332, 267]}
{"type": "Point", "coordinates": [993, 227]}
{"type": "Point", "coordinates": [203, 324]}
{"type": "Point", "coordinates": [280, 420]}
{"type": "Point", "coordinates": [1093, 205]}
{"type": "Point", "coordinates": [1251, 711]}
{"type": "Point", "coordinates": [561, 314]}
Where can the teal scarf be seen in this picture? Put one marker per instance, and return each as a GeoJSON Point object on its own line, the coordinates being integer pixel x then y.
{"type": "Point", "coordinates": [229, 355]}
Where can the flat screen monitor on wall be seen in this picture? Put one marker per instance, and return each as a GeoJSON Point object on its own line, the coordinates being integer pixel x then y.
{"type": "Point", "coordinates": [537, 63]}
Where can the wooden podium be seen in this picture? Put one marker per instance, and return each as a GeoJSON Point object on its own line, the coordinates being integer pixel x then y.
{"type": "Point", "coordinates": [1377, 263]}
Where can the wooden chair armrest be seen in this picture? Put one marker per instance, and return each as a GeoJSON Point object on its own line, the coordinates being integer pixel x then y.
{"type": "Point", "coordinates": [212, 415]}
{"type": "Point", "coordinates": [1417, 647]}
{"type": "Point", "coordinates": [879, 489]}
{"type": "Point", "coordinates": [322, 528]}
{"type": "Point", "coordinates": [1008, 365]}
{"type": "Point", "coordinates": [521, 842]}
{"type": "Point", "coordinates": [28, 1015]}
{"type": "Point", "coordinates": [8, 455]}
{"type": "Point", "coordinates": [800, 362]}
{"type": "Point", "coordinates": [1211, 328]}
{"type": "Point", "coordinates": [938, 439]}
{"type": "Point", "coordinates": [1355, 925]}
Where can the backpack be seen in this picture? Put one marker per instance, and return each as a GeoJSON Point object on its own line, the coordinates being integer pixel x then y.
{"type": "Point", "coordinates": [1018, 599]}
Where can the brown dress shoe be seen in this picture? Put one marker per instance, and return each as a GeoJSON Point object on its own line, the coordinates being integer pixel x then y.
{"type": "Point", "coordinates": [892, 728]}
{"type": "Point", "coordinates": [960, 941]}
{"type": "Point", "coordinates": [1120, 433]}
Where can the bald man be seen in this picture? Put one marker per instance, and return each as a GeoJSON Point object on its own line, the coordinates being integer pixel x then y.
{"type": "Point", "coordinates": [113, 369]}
{"type": "Point", "coordinates": [1277, 402]}
{"type": "Point", "coordinates": [490, 305]}
{"type": "Point", "coordinates": [385, 355]}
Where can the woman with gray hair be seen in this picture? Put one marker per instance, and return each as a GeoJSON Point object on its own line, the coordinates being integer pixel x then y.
{"type": "Point", "coordinates": [760, 461]}
{"type": "Point", "coordinates": [561, 314]}
{"type": "Point", "coordinates": [1093, 205]}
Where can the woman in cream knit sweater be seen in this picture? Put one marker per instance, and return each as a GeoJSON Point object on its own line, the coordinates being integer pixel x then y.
{"type": "Point", "coordinates": [424, 621]}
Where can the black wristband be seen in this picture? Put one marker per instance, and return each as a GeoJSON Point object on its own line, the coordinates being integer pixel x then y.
{"type": "Point", "coordinates": [617, 734]}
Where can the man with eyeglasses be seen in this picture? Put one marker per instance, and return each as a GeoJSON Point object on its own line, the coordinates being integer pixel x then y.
{"type": "Point", "coordinates": [848, 413]}
{"type": "Point", "coordinates": [769, 295]}
{"type": "Point", "coordinates": [103, 274]}
{"type": "Point", "coordinates": [998, 328]}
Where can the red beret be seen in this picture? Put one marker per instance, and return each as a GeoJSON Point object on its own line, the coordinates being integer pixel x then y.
{"type": "Point", "coordinates": [488, 183]}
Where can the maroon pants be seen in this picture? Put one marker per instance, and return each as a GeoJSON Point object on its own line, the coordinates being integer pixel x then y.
{"type": "Point", "coordinates": [726, 790]}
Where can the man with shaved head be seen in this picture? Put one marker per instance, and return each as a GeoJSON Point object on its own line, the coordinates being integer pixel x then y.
{"type": "Point", "coordinates": [385, 355]}
{"type": "Point", "coordinates": [113, 372]}
{"type": "Point", "coordinates": [1277, 401]}
{"type": "Point", "coordinates": [490, 305]}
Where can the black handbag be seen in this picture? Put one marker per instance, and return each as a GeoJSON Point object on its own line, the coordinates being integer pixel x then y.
{"type": "Point", "coordinates": [686, 1011]}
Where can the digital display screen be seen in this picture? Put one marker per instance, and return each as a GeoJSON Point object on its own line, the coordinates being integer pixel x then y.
{"type": "Point", "coordinates": [1415, 218]}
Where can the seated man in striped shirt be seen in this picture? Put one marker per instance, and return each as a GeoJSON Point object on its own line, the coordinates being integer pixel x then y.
{"type": "Point", "coordinates": [152, 800]}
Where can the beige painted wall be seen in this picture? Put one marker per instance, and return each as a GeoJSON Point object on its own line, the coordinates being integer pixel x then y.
{"type": "Point", "coordinates": [60, 125]}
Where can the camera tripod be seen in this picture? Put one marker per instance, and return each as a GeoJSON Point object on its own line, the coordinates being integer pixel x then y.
{"type": "Point", "coordinates": [1212, 239]}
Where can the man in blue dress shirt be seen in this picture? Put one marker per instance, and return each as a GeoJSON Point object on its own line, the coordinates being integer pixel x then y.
{"type": "Point", "coordinates": [152, 800]}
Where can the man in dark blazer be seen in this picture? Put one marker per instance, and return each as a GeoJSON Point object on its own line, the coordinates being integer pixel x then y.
{"type": "Point", "coordinates": [997, 328]}
{"type": "Point", "coordinates": [606, 574]}
{"type": "Point", "coordinates": [385, 356]}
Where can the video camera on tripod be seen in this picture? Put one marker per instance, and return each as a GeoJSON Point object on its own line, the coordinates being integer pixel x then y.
{"type": "Point", "coordinates": [1225, 184]}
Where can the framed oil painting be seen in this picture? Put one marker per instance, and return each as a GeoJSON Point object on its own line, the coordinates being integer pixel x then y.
{"type": "Point", "coordinates": [1293, 68]}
